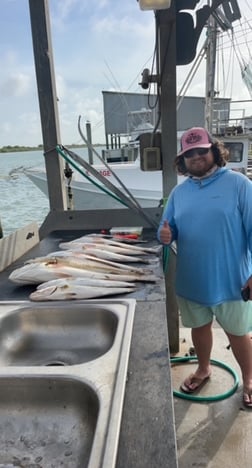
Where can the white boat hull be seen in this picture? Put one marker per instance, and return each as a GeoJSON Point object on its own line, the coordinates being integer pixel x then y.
{"type": "Point", "coordinates": [146, 187]}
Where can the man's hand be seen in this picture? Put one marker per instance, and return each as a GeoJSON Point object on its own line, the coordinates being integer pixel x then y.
{"type": "Point", "coordinates": [165, 233]}
{"type": "Point", "coordinates": [249, 284]}
{"type": "Point", "coordinates": [247, 290]}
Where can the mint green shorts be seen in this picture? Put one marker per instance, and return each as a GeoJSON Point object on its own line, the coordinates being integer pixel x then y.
{"type": "Point", "coordinates": [235, 317]}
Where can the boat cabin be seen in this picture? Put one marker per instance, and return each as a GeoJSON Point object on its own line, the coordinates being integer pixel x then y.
{"type": "Point", "coordinates": [238, 147]}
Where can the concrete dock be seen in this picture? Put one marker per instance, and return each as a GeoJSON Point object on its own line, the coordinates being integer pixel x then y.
{"type": "Point", "coordinates": [213, 434]}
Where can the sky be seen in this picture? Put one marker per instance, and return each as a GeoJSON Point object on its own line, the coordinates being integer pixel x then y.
{"type": "Point", "coordinates": [97, 45]}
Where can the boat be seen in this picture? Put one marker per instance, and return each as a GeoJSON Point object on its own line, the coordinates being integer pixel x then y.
{"type": "Point", "coordinates": [145, 184]}
{"type": "Point", "coordinates": [146, 187]}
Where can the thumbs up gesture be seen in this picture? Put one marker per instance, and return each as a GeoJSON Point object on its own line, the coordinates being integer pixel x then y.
{"type": "Point", "coordinates": [165, 233]}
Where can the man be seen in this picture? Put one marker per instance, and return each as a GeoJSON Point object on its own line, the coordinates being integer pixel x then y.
{"type": "Point", "coordinates": [209, 216]}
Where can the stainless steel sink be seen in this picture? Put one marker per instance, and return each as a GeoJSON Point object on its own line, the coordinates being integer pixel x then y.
{"type": "Point", "coordinates": [46, 422]}
{"type": "Point", "coordinates": [56, 335]}
{"type": "Point", "coordinates": [63, 371]}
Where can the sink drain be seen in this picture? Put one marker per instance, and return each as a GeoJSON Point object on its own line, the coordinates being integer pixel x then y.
{"type": "Point", "coordinates": [59, 358]}
{"type": "Point", "coordinates": [56, 363]}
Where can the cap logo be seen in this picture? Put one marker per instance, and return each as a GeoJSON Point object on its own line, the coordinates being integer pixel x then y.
{"type": "Point", "coordinates": [193, 138]}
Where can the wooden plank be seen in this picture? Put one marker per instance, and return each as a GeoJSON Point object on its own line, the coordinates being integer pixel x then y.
{"type": "Point", "coordinates": [17, 244]}
{"type": "Point", "coordinates": [147, 436]}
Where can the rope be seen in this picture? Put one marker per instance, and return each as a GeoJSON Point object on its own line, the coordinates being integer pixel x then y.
{"type": "Point", "coordinates": [68, 174]}
{"type": "Point", "coordinates": [115, 192]}
{"type": "Point", "coordinates": [59, 150]}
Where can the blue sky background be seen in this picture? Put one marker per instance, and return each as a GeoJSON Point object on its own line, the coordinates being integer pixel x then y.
{"type": "Point", "coordinates": [97, 45]}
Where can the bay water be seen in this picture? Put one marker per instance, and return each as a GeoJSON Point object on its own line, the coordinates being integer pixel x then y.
{"type": "Point", "coordinates": [21, 202]}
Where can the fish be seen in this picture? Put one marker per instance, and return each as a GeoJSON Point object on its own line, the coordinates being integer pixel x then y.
{"type": "Point", "coordinates": [33, 273]}
{"type": "Point", "coordinates": [42, 269]}
{"type": "Point", "coordinates": [85, 261]}
{"type": "Point", "coordinates": [101, 240]}
{"type": "Point", "coordinates": [82, 281]}
{"type": "Point", "coordinates": [150, 250]}
{"type": "Point", "coordinates": [86, 246]}
{"type": "Point", "coordinates": [73, 290]}
{"type": "Point", "coordinates": [115, 257]}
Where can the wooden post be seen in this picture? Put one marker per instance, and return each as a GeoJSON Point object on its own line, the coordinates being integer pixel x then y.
{"type": "Point", "coordinates": [43, 56]}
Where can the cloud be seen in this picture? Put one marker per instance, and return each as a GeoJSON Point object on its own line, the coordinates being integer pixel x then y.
{"type": "Point", "coordinates": [102, 4]}
{"type": "Point", "coordinates": [5, 128]}
{"type": "Point", "coordinates": [24, 130]}
{"type": "Point", "coordinates": [9, 58]}
{"type": "Point", "coordinates": [81, 103]}
{"type": "Point", "coordinates": [17, 85]}
{"type": "Point", "coordinates": [123, 25]}
{"type": "Point", "coordinates": [97, 45]}
{"type": "Point", "coordinates": [29, 121]}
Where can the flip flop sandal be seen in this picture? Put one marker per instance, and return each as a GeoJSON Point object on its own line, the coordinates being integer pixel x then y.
{"type": "Point", "coordinates": [199, 383]}
{"type": "Point", "coordinates": [247, 404]}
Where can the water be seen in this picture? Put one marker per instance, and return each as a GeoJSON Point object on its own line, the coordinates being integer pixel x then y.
{"type": "Point", "coordinates": [21, 202]}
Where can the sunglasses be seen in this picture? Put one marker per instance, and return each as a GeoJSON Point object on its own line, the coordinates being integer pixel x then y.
{"type": "Point", "coordinates": [199, 151]}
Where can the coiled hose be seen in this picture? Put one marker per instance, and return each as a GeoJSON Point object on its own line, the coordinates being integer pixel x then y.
{"type": "Point", "coordinates": [212, 398]}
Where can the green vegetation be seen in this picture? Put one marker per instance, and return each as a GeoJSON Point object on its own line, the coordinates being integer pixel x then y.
{"type": "Point", "coordinates": [16, 148]}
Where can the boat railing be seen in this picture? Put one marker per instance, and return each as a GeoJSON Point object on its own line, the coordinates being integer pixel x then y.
{"type": "Point", "coordinates": [232, 120]}
{"type": "Point", "coordinates": [123, 154]}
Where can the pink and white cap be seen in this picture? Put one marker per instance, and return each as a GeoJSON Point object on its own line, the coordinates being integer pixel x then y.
{"type": "Point", "coordinates": [196, 137]}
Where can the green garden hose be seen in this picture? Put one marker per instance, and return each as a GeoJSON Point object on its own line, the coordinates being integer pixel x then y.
{"type": "Point", "coordinates": [75, 166]}
{"type": "Point", "coordinates": [166, 255]}
{"type": "Point", "coordinates": [212, 398]}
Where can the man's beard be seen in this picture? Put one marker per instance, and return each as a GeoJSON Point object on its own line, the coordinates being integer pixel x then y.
{"type": "Point", "coordinates": [205, 170]}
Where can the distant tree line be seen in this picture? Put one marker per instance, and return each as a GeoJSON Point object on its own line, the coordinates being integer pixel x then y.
{"type": "Point", "coordinates": [16, 148]}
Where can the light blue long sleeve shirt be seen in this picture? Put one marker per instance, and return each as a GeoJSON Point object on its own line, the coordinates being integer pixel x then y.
{"type": "Point", "coordinates": [211, 222]}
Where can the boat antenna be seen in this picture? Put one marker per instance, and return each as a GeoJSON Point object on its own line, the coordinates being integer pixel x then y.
{"type": "Point", "coordinates": [245, 64]}
{"type": "Point", "coordinates": [191, 74]}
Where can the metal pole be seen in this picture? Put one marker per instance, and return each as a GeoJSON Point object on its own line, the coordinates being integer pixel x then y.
{"type": "Point", "coordinates": [166, 24]}
{"type": "Point", "coordinates": [210, 72]}
{"type": "Point", "coordinates": [89, 139]}
{"type": "Point", "coordinates": [166, 29]}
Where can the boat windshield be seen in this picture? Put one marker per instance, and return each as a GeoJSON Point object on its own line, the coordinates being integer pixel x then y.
{"type": "Point", "coordinates": [235, 151]}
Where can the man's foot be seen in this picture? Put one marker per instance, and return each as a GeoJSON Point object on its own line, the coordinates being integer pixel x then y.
{"type": "Point", "coordinates": [247, 398]}
{"type": "Point", "coordinates": [193, 383]}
